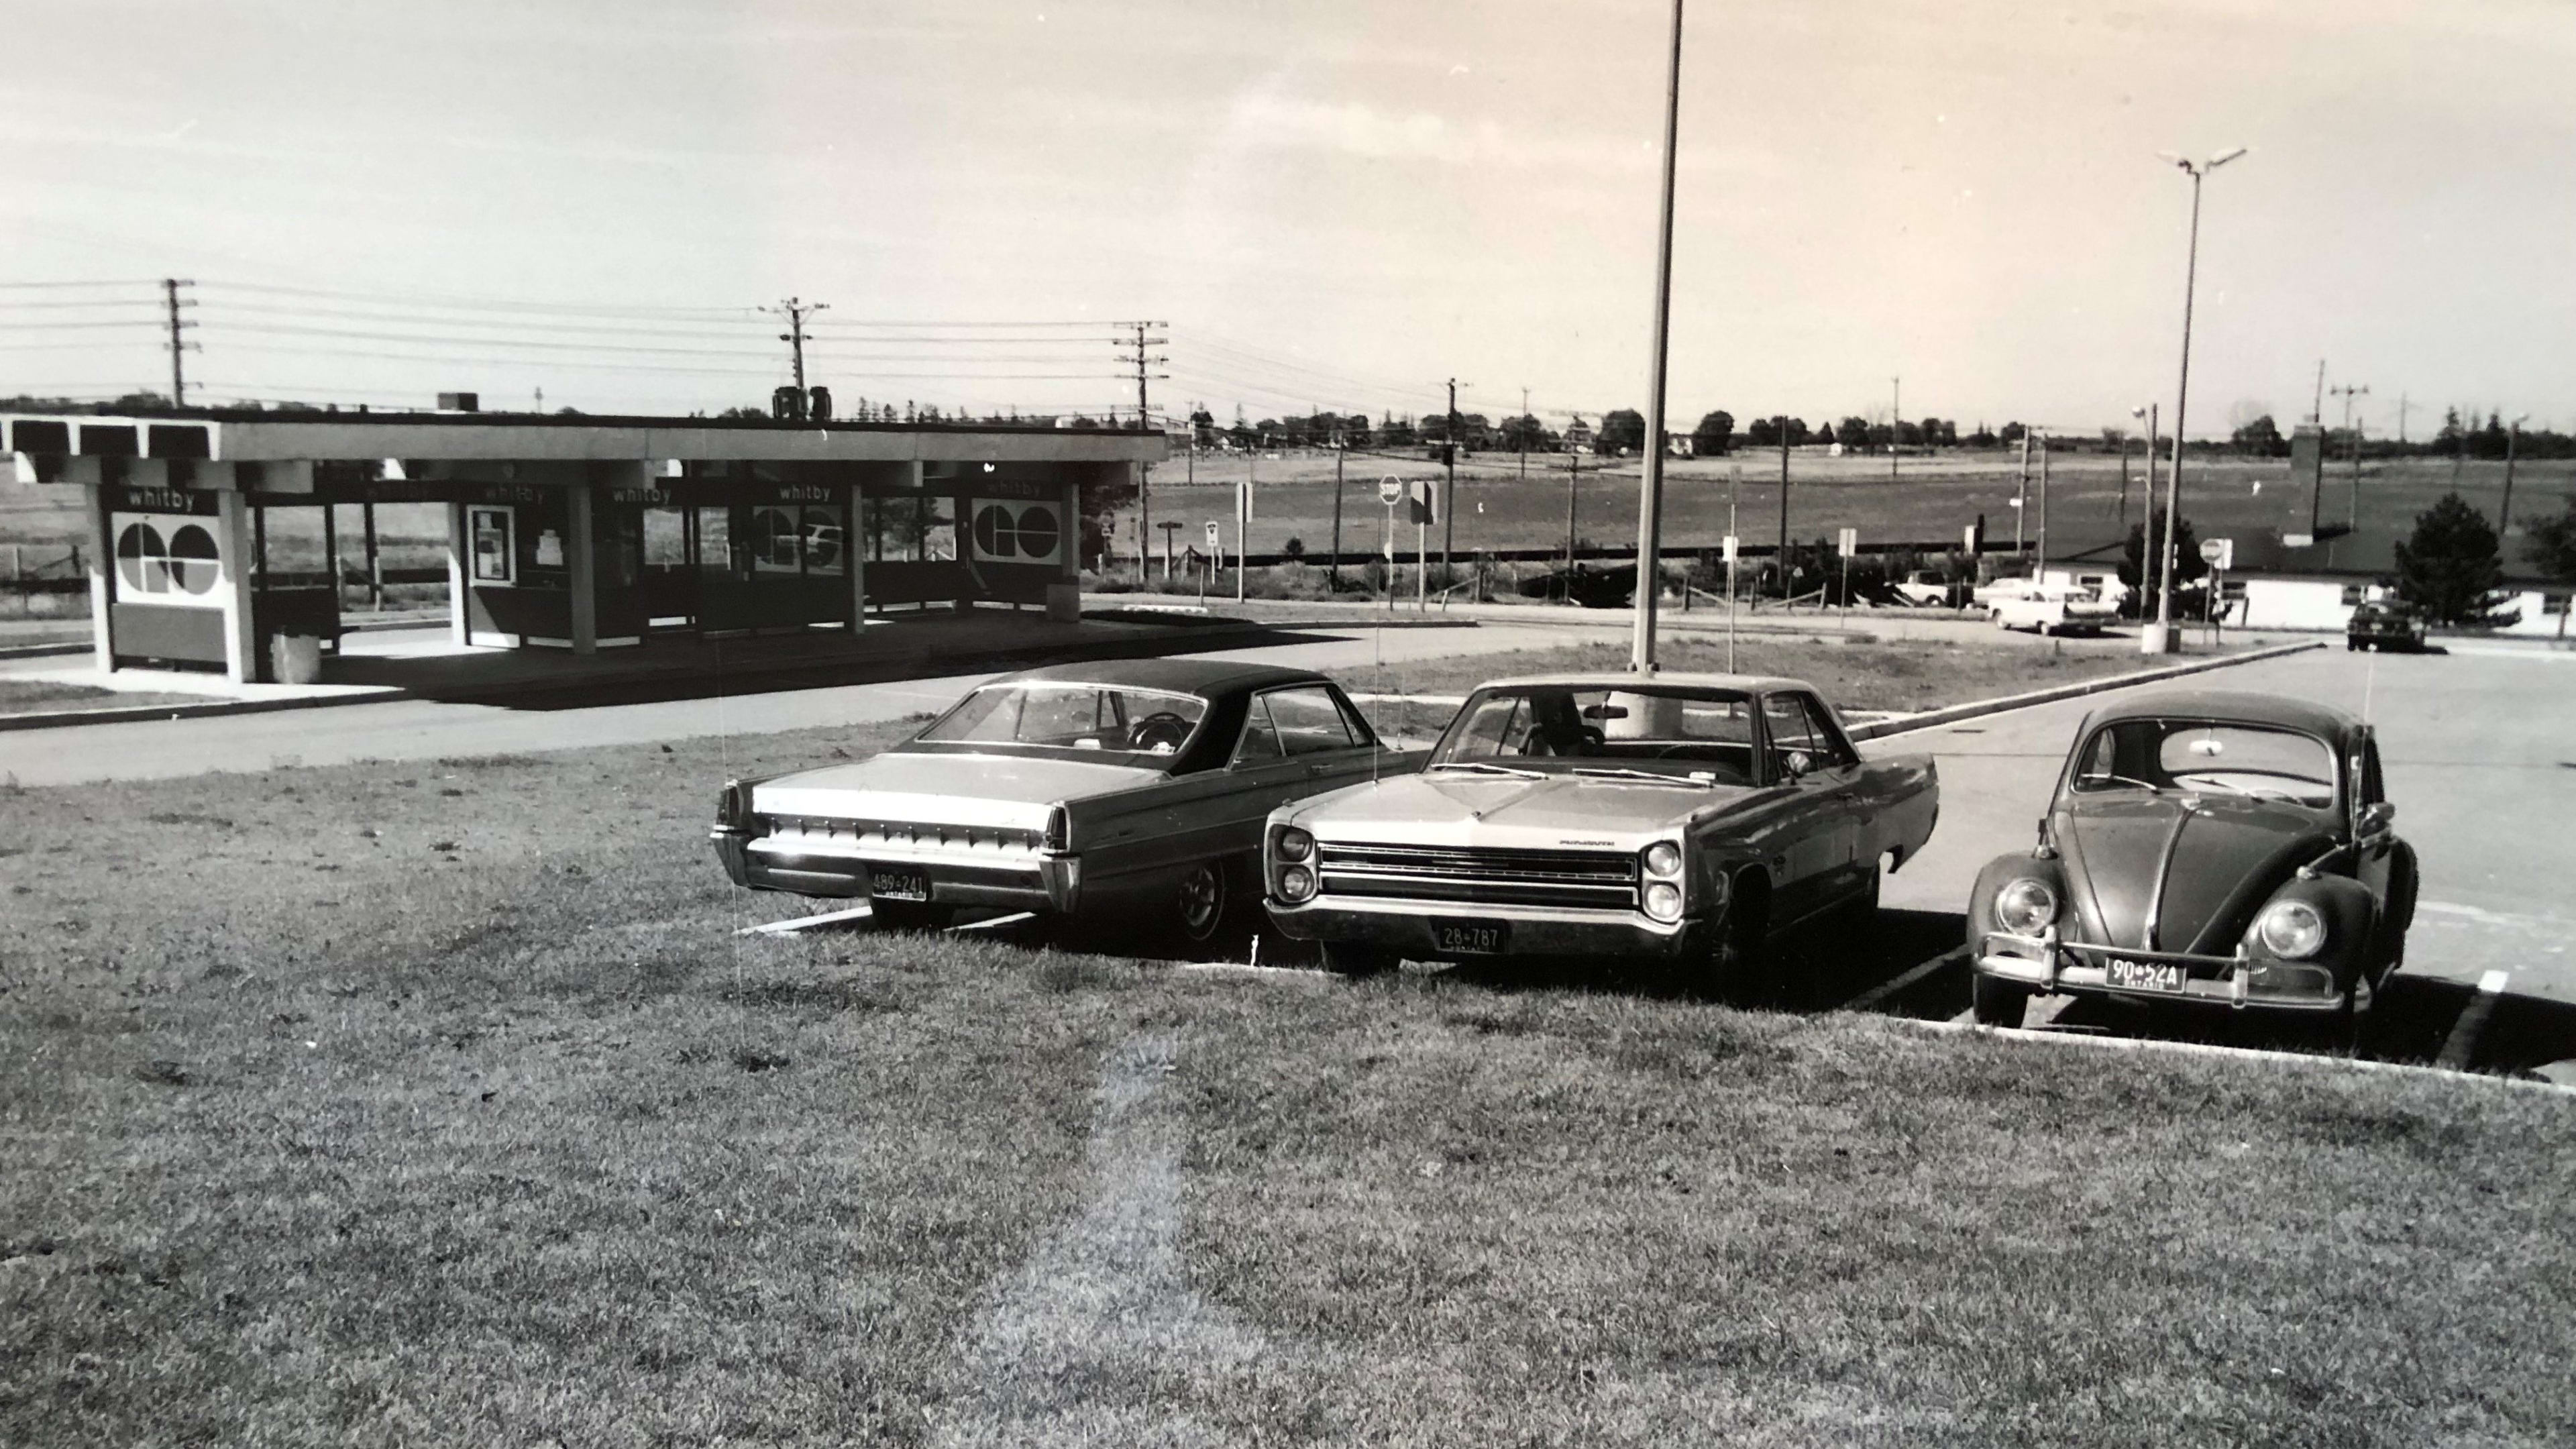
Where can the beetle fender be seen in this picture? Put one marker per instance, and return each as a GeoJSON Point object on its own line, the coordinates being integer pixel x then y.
{"type": "Point", "coordinates": [2002, 871]}
{"type": "Point", "coordinates": [2349, 914]}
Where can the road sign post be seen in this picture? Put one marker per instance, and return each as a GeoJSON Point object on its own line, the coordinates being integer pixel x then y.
{"type": "Point", "coordinates": [1730, 546]}
{"type": "Point", "coordinates": [1850, 545]}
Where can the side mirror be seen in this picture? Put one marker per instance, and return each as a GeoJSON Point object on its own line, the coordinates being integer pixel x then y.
{"type": "Point", "coordinates": [2375, 817]}
{"type": "Point", "coordinates": [1797, 763]}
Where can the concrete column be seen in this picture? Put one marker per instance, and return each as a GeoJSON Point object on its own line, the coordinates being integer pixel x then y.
{"type": "Point", "coordinates": [854, 551]}
{"type": "Point", "coordinates": [102, 579]}
{"type": "Point", "coordinates": [1064, 595]}
{"type": "Point", "coordinates": [241, 634]}
{"type": "Point", "coordinates": [460, 617]}
{"type": "Point", "coordinates": [581, 569]}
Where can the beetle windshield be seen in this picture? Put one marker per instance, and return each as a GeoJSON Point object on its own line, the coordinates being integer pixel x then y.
{"type": "Point", "coordinates": [1049, 714]}
{"type": "Point", "coordinates": [1688, 734]}
{"type": "Point", "coordinates": [2230, 758]}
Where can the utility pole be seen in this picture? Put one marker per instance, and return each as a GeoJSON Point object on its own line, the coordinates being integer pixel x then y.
{"type": "Point", "coordinates": [1142, 360]}
{"type": "Point", "coordinates": [2317, 414]}
{"type": "Point", "coordinates": [2021, 494]}
{"type": "Point", "coordinates": [2041, 571]}
{"type": "Point", "coordinates": [2512, 441]}
{"type": "Point", "coordinates": [1573, 472]}
{"type": "Point", "coordinates": [796, 311]}
{"type": "Point", "coordinates": [1895, 421]}
{"type": "Point", "coordinates": [2403, 407]}
{"type": "Point", "coordinates": [2348, 394]}
{"type": "Point", "coordinates": [1521, 426]}
{"type": "Point", "coordinates": [1449, 488]}
{"type": "Point", "coordinates": [178, 344]}
{"type": "Point", "coordinates": [2124, 479]}
{"type": "Point", "coordinates": [1780, 560]}
{"type": "Point", "coordinates": [1333, 570]}
{"type": "Point", "coordinates": [1144, 414]}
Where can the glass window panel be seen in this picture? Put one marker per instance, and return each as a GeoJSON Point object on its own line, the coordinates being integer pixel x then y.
{"type": "Point", "coordinates": [1308, 722]}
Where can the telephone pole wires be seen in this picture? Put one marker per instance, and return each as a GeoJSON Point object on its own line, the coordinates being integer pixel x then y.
{"type": "Point", "coordinates": [178, 344]}
{"type": "Point", "coordinates": [2348, 394]}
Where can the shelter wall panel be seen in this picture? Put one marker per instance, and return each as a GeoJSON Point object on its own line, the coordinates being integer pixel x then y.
{"type": "Point", "coordinates": [159, 631]}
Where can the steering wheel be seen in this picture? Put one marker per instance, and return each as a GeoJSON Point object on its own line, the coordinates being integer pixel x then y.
{"type": "Point", "coordinates": [1162, 732]}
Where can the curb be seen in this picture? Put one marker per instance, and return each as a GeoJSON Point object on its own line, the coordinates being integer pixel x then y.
{"type": "Point", "coordinates": [2211, 1049]}
{"type": "Point", "coordinates": [143, 713]}
{"type": "Point", "coordinates": [1932, 719]}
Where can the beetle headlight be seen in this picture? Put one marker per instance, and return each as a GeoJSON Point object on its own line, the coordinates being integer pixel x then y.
{"type": "Point", "coordinates": [1663, 858]}
{"type": "Point", "coordinates": [2292, 929]}
{"type": "Point", "coordinates": [1296, 884]}
{"type": "Point", "coordinates": [1664, 901]}
{"type": "Point", "coordinates": [2025, 906]}
{"type": "Point", "coordinates": [1296, 844]}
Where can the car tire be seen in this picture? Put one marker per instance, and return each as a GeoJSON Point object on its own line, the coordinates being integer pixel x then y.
{"type": "Point", "coordinates": [1739, 968]}
{"type": "Point", "coordinates": [910, 915]}
{"type": "Point", "coordinates": [1997, 1002]}
{"type": "Point", "coordinates": [1350, 958]}
{"type": "Point", "coordinates": [1202, 900]}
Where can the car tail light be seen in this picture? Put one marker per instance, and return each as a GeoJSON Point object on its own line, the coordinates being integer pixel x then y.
{"type": "Point", "coordinates": [1059, 829]}
{"type": "Point", "coordinates": [733, 806]}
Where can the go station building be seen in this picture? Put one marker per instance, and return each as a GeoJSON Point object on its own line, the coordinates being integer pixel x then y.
{"type": "Point", "coordinates": [567, 532]}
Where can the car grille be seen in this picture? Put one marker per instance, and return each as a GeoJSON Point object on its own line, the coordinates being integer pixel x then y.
{"type": "Point", "coordinates": [1593, 879]}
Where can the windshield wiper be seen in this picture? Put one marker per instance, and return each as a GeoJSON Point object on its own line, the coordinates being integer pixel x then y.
{"type": "Point", "coordinates": [1514, 771]}
{"type": "Point", "coordinates": [1648, 776]}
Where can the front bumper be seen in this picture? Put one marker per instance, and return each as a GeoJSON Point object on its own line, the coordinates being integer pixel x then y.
{"type": "Point", "coordinates": [961, 877]}
{"type": "Point", "coordinates": [1411, 929]}
{"type": "Point", "coordinates": [2075, 968]}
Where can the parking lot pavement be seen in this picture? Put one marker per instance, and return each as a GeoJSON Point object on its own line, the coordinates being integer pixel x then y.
{"type": "Point", "coordinates": [429, 729]}
{"type": "Point", "coordinates": [2480, 763]}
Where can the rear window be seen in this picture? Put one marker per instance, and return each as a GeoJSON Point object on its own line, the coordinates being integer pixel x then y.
{"type": "Point", "coordinates": [1049, 715]}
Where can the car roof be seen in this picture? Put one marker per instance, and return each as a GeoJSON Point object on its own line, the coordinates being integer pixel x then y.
{"type": "Point", "coordinates": [2244, 706]}
{"type": "Point", "coordinates": [1182, 676]}
{"type": "Point", "coordinates": [1604, 679]}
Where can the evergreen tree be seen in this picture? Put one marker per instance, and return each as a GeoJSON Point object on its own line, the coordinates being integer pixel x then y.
{"type": "Point", "coordinates": [2451, 568]}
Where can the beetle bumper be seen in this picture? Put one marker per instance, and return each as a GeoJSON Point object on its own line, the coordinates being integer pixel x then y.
{"type": "Point", "coordinates": [2058, 967]}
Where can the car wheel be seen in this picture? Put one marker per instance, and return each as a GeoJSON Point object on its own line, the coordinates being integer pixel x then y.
{"type": "Point", "coordinates": [910, 915]}
{"type": "Point", "coordinates": [1998, 1002]}
{"type": "Point", "coordinates": [1738, 969]}
{"type": "Point", "coordinates": [1350, 958]}
{"type": "Point", "coordinates": [1200, 902]}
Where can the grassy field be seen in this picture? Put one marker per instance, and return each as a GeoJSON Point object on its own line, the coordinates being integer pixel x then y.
{"type": "Point", "coordinates": [440, 1103]}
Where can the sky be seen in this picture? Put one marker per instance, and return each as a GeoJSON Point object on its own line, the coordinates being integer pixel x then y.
{"type": "Point", "coordinates": [1323, 205]}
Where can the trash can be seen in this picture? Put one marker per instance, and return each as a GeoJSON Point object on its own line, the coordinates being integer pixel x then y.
{"type": "Point", "coordinates": [295, 658]}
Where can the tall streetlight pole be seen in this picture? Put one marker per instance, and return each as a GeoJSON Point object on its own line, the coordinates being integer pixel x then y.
{"type": "Point", "coordinates": [1650, 496]}
{"type": "Point", "coordinates": [2504, 515]}
{"type": "Point", "coordinates": [2157, 638]}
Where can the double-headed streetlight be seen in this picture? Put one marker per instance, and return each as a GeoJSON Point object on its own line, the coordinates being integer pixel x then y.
{"type": "Point", "coordinates": [2157, 638]}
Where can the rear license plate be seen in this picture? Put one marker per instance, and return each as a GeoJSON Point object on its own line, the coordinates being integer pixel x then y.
{"type": "Point", "coordinates": [2142, 975]}
{"type": "Point", "coordinates": [1473, 938]}
{"type": "Point", "coordinates": [899, 885]}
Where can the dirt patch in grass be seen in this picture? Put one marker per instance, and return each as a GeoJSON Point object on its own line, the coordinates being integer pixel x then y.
{"type": "Point", "coordinates": [43, 696]}
{"type": "Point", "coordinates": [1909, 677]}
{"type": "Point", "coordinates": [534, 1146]}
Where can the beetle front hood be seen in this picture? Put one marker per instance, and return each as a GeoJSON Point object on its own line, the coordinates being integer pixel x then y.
{"type": "Point", "coordinates": [937, 788]}
{"type": "Point", "coordinates": [1466, 808]}
{"type": "Point", "coordinates": [2227, 854]}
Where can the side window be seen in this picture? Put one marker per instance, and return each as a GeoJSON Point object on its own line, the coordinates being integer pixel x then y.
{"type": "Point", "coordinates": [1307, 721]}
{"type": "Point", "coordinates": [1786, 718]}
{"type": "Point", "coordinates": [1829, 749]}
{"type": "Point", "coordinates": [2373, 788]}
{"type": "Point", "coordinates": [1259, 743]}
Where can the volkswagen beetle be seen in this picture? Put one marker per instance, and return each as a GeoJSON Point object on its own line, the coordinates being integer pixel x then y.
{"type": "Point", "coordinates": [2231, 850]}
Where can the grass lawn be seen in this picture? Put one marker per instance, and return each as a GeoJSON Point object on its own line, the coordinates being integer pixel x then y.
{"type": "Point", "coordinates": [38, 696]}
{"type": "Point", "coordinates": [439, 1103]}
{"type": "Point", "coordinates": [1917, 675]}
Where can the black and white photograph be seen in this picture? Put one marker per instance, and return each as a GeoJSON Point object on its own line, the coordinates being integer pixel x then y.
{"type": "Point", "coordinates": [1081, 724]}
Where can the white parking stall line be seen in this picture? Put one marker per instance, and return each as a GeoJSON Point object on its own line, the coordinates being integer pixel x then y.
{"type": "Point", "coordinates": [2473, 1021]}
{"type": "Point", "coordinates": [997, 922]}
{"type": "Point", "coordinates": [1886, 989]}
{"type": "Point", "coordinates": [807, 923]}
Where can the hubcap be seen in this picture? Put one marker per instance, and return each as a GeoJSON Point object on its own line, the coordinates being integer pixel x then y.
{"type": "Point", "coordinates": [1202, 896]}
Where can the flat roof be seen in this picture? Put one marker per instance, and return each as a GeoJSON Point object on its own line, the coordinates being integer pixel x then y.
{"type": "Point", "coordinates": [258, 435]}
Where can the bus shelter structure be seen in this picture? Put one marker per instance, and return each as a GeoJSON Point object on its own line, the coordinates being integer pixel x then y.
{"type": "Point", "coordinates": [568, 532]}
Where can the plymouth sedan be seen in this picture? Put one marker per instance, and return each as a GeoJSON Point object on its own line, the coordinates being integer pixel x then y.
{"type": "Point", "coordinates": [1132, 791]}
{"type": "Point", "coordinates": [2232, 850]}
{"type": "Point", "coordinates": [1683, 818]}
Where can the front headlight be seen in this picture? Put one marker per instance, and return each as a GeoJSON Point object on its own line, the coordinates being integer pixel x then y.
{"type": "Point", "coordinates": [2292, 929]}
{"type": "Point", "coordinates": [1664, 901]}
{"type": "Point", "coordinates": [1296, 884]}
{"type": "Point", "coordinates": [2025, 906]}
{"type": "Point", "coordinates": [1663, 858]}
{"type": "Point", "coordinates": [1295, 844]}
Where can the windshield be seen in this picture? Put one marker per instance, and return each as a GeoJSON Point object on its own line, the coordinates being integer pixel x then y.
{"type": "Point", "coordinates": [1051, 715]}
{"type": "Point", "coordinates": [2235, 759]}
{"type": "Point", "coordinates": [1670, 732]}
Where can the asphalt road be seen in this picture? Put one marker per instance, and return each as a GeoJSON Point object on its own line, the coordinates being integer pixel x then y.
{"type": "Point", "coordinates": [2481, 762]}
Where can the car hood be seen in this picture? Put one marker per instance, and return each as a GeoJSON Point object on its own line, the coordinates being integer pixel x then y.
{"type": "Point", "coordinates": [938, 788]}
{"type": "Point", "coordinates": [1456, 808]}
{"type": "Point", "coordinates": [2228, 854]}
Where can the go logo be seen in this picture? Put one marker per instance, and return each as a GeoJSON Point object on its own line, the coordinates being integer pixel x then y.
{"type": "Point", "coordinates": [168, 560]}
{"type": "Point", "coordinates": [1017, 532]}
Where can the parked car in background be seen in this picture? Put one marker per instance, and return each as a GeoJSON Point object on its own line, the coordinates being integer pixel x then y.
{"type": "Point", "coordinates": [2385, 624]}
{"type": "Point", "coordinates": [1689, 819]}
{"type": "Point", "coordinates": [1929, 589]}
{"type": "Point", "coordinates": [1119, 791]}
{"type": "Point", "coordinates": [2227, 850]}
{"type": "Point", "coordinates": [2048, 607]}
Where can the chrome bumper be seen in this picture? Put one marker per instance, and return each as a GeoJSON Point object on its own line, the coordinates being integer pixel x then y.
{"type": "Point", "coordinates": [963, 877]}
{"type": "Point", "coordinates": [1411, 928]}
{"type": "Point", "coordinates": [2075, 968]}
